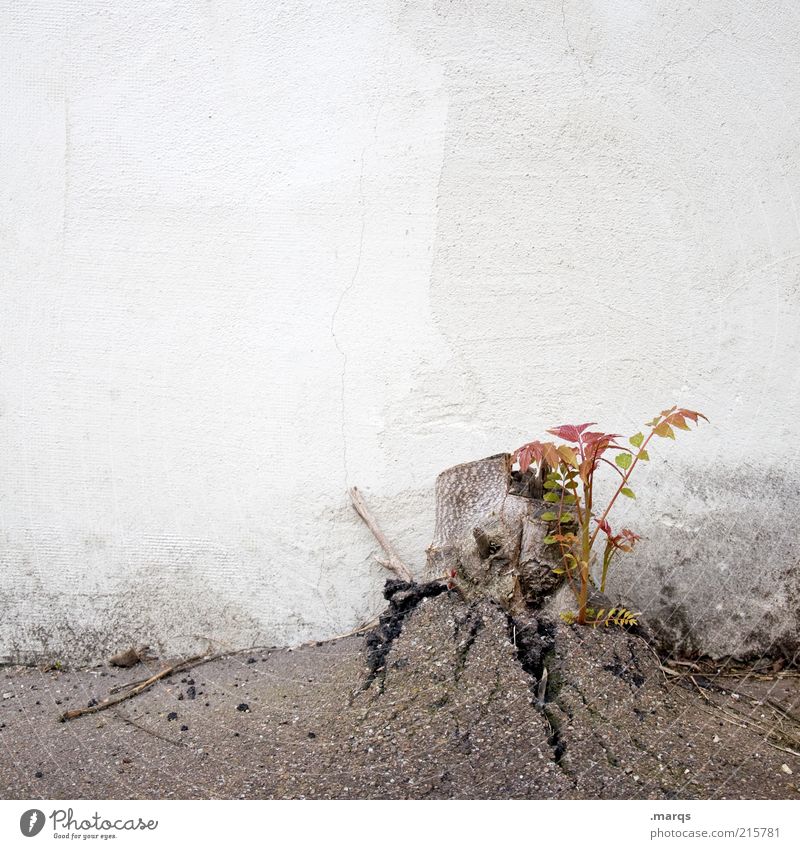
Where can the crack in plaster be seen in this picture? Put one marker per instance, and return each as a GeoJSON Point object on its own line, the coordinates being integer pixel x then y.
{"type": "Point", "coordinates": [687, 53]}
{"type": "Point", "coordinates": [343, 294]}
{"type": "Point", "coordinates": [570, 46]}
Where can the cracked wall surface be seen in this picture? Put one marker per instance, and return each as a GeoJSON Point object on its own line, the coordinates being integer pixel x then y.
{"type": "Point", "coordinates": [253, 254]}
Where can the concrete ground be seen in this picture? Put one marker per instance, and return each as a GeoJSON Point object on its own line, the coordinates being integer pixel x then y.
{"type": "Point", "coordinates": [452, 712]}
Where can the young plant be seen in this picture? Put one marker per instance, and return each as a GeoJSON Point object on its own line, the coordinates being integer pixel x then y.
{"type": "Point", "coordinates": [579, 526]}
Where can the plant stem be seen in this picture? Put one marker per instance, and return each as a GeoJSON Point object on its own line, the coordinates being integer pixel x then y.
{"type": "Point", "coordinates": [624, 481]}
{"type": "Point", "coordinates": [586, 549]}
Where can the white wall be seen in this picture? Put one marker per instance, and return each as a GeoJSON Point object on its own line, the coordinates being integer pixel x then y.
{"type": "Point", "coordinates": [253, 252]}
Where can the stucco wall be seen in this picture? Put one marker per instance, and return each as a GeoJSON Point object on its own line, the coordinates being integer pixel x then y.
{"type": "Point", "coordinates": [252, 253]}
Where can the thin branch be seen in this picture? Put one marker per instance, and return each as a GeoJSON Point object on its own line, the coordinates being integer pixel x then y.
{"type": "Point", "coordinates": [141, 686]}
{"type": "Point", "coordinates": [393, 561]}
{"type": "Point", "coordinates": [133, 688]}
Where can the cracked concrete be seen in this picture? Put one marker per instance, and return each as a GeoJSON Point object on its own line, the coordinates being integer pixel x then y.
{"type": "Point", "coordinates": [456, 717]}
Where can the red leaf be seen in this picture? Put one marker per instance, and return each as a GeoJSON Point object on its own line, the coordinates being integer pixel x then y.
{"type": "Point", "coordinates": [596, 443]}
{"type": "Point", "coordinates": [599, 441]}
{"type": "Point", "coordinates": [692, 414]}
{"type": "Point", "coordinates": [572, 433]}
{"type": "Point", "coordinates": [535, 452]}
{"type": "Point", "coordinates": [604, 526]}
{"type": "Point", "coordinates": [523, 457]}
{"type": "Point", "coordinates": [594, 436]}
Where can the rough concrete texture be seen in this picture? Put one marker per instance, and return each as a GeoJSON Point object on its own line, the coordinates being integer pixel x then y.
{"type": "Point", "coordinates": [457, 709]}
{"type": "Point", "coordinates": [701, 585]}
{"type": "Point", "coordinates": [242, 243]}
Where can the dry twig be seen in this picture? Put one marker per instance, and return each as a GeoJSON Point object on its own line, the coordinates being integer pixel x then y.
{"type": "Point", "coordinates": [393, 561]}
{"type": "Point", "coordinates": [139, 687]}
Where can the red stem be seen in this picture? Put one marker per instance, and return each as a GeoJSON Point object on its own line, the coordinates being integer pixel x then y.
{"type": "Point", "coordinates": [625, 479]}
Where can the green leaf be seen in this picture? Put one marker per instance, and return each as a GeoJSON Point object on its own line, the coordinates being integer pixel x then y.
{"type": "Point", "coordinates": [637, 439]}
{"type": "Point", "coordinates": [570, 499]}
{"type": "Point", "coordinates": [552, 497]}
{"type": "Point", "coordinates": [665, 431]}
{"type": "Point", "coordinates": [627, 492]}
{"type": "Point", "coordinates": [550, 485]}
{"type": "Point", "coordinates": [566, 517]}
{"type": "Point", "coordinates": [550, 540]}
{"type": "Point", "coordinates": [623, 461]}
{"type": "Point", "coordinates": [549, 516]}
{"type": "Point", "coordinates": [643, 455]}
{"type": "Point", "coordinates": [571, 485]}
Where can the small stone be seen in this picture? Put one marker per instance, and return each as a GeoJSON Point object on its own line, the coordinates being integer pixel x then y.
{"type": "Point", "coordinates": [243, 707]}
{"type": "Point", "coordinates": [251, 660]}
{"type": "Point", "coordinates": [92, 703]}
{"type": "Point", "coordinates": [311, 735]}
{"type": "Point", "coordinates": [786, 768]}
{"type": "Point", "coordinates": [184, 727]}
{"type": "Point", "coordinates": [172, 716]}
{"type": "Point", "coordinates": [39, 774]}
{"type": "Point", "coordinates": [715, 739]}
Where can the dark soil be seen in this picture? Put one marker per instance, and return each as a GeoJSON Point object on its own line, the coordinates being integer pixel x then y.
{"type": "Point", "coordinates": [403, 598]}
{"type": "Point", "coordinates": [443, 700]}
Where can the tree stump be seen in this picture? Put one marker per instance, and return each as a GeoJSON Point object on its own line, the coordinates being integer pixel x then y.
{"type": "Point", "coordinates": [488, 538]}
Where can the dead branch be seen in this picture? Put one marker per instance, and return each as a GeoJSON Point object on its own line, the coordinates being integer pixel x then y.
{"type": "Point", "coordinates": [134, 688]}
{"type": "Point", "coordinates": [140, 687]}
{"type": "Point", "coordinates": [393, 561]}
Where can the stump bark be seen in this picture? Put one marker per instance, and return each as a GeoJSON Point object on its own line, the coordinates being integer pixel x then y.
{"type": "Point", "coordinates": [488, 537]}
